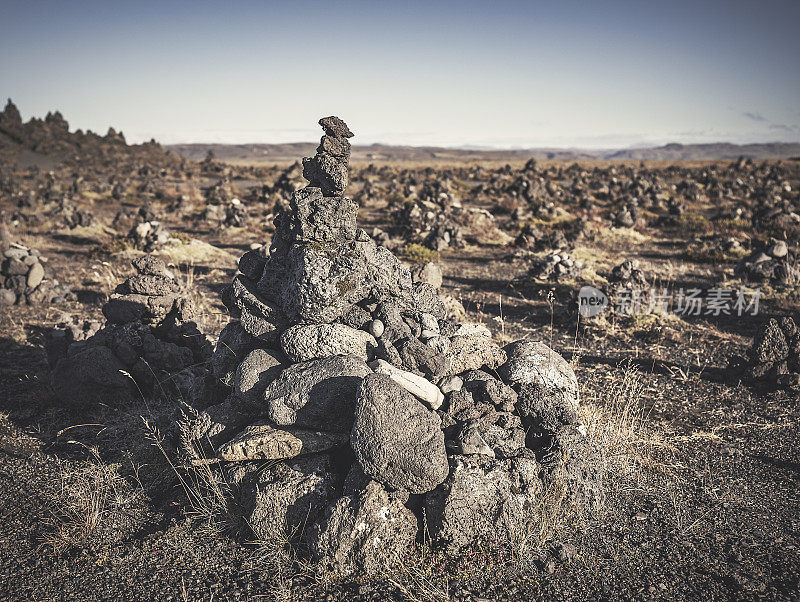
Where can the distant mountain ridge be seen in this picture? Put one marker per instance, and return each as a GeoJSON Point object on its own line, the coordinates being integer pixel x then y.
{"type": "Point", "coordinates": [271, 153]}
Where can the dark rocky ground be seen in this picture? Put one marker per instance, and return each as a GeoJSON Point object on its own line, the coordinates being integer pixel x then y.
{"type": "Point", "coordinates": [711, 511]}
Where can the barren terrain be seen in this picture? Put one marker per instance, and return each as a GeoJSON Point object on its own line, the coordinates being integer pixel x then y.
{"type": "Point", "coordinates": [703, 457]}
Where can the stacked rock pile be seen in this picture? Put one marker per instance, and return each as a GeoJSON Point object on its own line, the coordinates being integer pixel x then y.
{"type": "Point", "coordinates": [775, 263]}
{"type": "Point", "coordinates": [556, 265]}
{"type": "Point", "coordinates": [23, 279]}
{"type": "Point", "coordinates": [148, 345]}
{"type": "Point", "coordinates": [149, 235]}
{"type": "Point", "coordinates": [356, 406]}
{"type": "Point", "coordinates": [626, 216]}
{"type": "Point", "coordinates": [774, 358]}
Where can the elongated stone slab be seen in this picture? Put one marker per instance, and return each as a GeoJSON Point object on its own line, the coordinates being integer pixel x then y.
{"type": "Point", "coordinates": [266, 442]}
{"type": "Point", "coordinates": [416, 385]}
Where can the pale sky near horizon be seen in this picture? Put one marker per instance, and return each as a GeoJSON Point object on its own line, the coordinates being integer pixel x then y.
{"type": "Point", "coordinates": [592, 74]}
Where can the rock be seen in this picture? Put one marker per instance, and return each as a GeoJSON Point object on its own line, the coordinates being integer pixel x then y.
{"type": "Point", "coordinates": [416, 385]}
{"type": "Point", "coordinates": [257, 316]}
{"type": "Point", "coordinates": [418, 357]}
{"type": "Point", "coordinates": [287, 497]}
{"type": "Point", "coordinates": [313, 341]}
{"type": "Point", "coordinates": [251, 264]}
{"type": "Point", "coordinates": [334, 126]}
{"type": "Point", "coordinates": [257, 370]}
{"type": "Point", "coordinates": [317, 283]}
{"type": "Point", "coordinates": [375, 328]}
{"type": "Point", "coordinates": [394, 327]}
{"type": "Point", "coordinates": [778, 250]}
{"type": "Point", "coordinates": [146, 284]}
{"type": "Point", "coordinates": [472, 352]}
{"type": "Point", "coordinates": [15, 267]}
{"type": "Point", "coordinates": [319, 394]}
{"type": "Point", "coordinates": [426, 300]}
{"type": "Point", "coordinates": [262, 441]}
{"type": "Point", "coordinates": [471, 441]}
{"type": "Point", "coordinates": [487, 389]}
{"type": "Point", "coordinates": [770, 345]}
{"type": "Point", "coordinates": [367, 532]}
{"type": "Point", "coordinates": [484, 498]}
{"type": "Point", "coordinates": [125, 309]}
{"type": "Point", "coordinates": [450, 384]}
{"type": "Point", "coordinates": [7, 297]}
{"type": "Point", "coordinates": [501, 433]}
{"type": "Point", "coordinates": [396, 440]}
{"type": "Point", "coordinates": [35, 275]}
{"type": "Point", "coordinates": [427, 272]}
{"type": "Point", "coordinates": [212, 427]}
{"type": "Point", "coordinates": [93, 374]}
{"type": "Point", "coordinates": [233, 345]}
{"type": "Point", "coordinates": [546, 384]}
{"type": "Point", "coordinates": [571, 462]}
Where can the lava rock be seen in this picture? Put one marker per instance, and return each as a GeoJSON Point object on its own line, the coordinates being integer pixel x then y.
{"type": "Point", "coordinates": [397, 441]}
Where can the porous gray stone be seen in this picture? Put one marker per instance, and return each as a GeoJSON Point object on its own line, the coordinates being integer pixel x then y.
{"type": "Point", "coordinates": [313, 341]}
{"type": "Point", "coordinates": [258, 317]}
{"type": "Point", "coordinates": [484, 498]}
{"type": "Point", "coordinates": [365, 532]}
{"type": "Point", "coordinates": [319, 394]}
{"type": "Point", "coordinates": [547, 387]}
{"type": "Point", "coordinates": [257, 370]}
{"type": "Point", "coordinates": [285, 499]}
{"type": "Point", "coordinates": [396, 439]}
{"type": "Point", "coordinates": [472, 352]}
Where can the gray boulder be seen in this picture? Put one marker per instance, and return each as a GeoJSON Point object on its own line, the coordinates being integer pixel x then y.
{"type": "Point", "coordinates": [365, 532]}
{"type": "Point", "coordinates": [233, 345]}
{"type": "Point", "coordinates": [484, 498]}
{"type": "Point", "coordinates": [317, 283]}
{"type": "Point", "coordinates": [90, 374]}
{"type": "Point", "coordinates": [396, 439]}
{"type": "Point", "coordinates": [258, 317]}
{"type": "Point", "coordinates": [546, 384]}
{"type": "Point", "coordinates": [319, 394]}
{"type": "Point", "coordinates": [258, 369]}
{"type": "Point", "coordinates": [313, 341]}
{"type": "Point", "coordinates": [284, 499]}
{"type": "Point", "coordinates": [472, 352]}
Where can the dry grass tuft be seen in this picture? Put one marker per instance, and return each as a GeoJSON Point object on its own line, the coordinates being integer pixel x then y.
{"type": "Point", "coordinates": [616, 423]}
{"type": "Point", "coordinates": [89, 494]}
{"type": "Point", "coordinates": [207, 491]}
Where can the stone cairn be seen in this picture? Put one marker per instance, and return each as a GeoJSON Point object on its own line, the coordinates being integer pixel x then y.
{"type": "Point", "coordinates": [774, 358]}
{"type": "Point", "coordinates": [775, 264]}
{"type": "Point", "coordinates": [356, 407]}
{"type": "Point", "coordinates": [23, 279]}
{"type": "Point", "coordinates": [149, 345]}
{"type": "Point", "coordinates": [554, 266]}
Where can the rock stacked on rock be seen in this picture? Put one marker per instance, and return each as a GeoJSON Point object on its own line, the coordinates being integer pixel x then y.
{"type": "Point", "coordinates": [775, 264]}
{"type": "Point", "coordinates": [556, 265]}
{"type": "Point", "coordinates": [149, 235]}
{"type": "Point", "coordinates": [774, 358]}
{"type": "Point", "coordinates": [369, 404]}
{"type": "Point", "coordinates": [149, 344]}
{"type": "Point", "coordinates": [23, 279]}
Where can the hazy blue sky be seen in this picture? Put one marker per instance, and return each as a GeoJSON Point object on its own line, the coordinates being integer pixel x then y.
{"type": "Point", "coordinates": [493, 73]}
